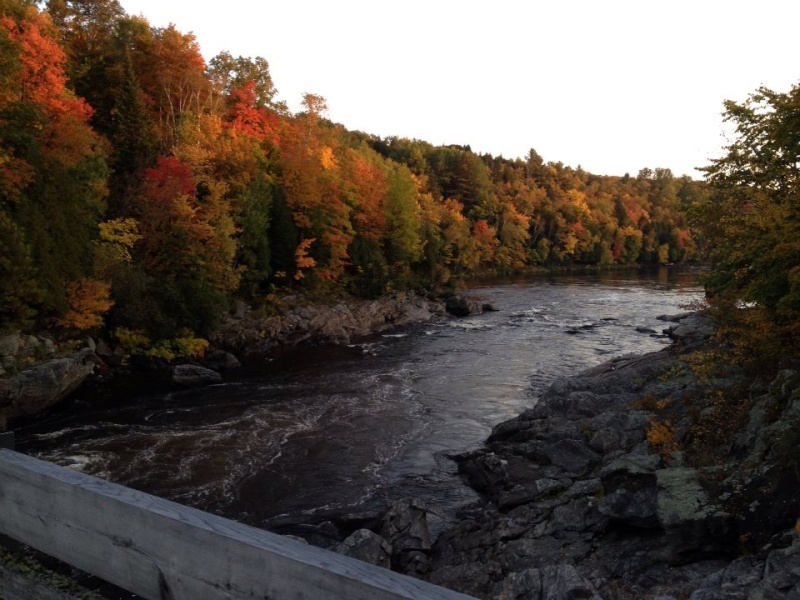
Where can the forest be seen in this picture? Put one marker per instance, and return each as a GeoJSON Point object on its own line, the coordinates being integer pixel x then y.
{"type": "Point", "coordinates": [142, 189]}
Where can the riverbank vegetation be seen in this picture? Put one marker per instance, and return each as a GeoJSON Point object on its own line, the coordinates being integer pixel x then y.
{"type": "Point", "coordinates": [142, 189]}
{"type": "Point", "coordinates": [750, 218]}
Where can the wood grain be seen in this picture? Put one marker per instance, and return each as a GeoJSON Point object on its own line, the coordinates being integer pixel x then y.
{"type": "Point", "coordinates": [161, 550]}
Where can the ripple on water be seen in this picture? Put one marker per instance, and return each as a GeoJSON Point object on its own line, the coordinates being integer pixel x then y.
{"type": "Point", "coordinates": [328, 429]}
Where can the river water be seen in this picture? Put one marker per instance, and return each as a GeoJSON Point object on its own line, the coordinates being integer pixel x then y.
{"type": "Point", "coordinates": [324, 430]}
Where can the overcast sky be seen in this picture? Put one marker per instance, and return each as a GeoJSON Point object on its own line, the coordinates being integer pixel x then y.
{"type": "Point", "coordinates": [611, 85]}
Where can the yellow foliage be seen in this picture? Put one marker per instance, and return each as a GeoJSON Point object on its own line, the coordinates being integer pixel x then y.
{"type": "Point", "coordinates": [326, 158]}
{"type": "Point", "coordinates": [186, 345]}
{"type": "Point", "coordinates": [89, 300]}
{"type": "Point", "coordinates": [170, 349]}
{"type": "Point", "coordinates": [133, 341]}
{"type": "Point", "coordinates": [122, 234]}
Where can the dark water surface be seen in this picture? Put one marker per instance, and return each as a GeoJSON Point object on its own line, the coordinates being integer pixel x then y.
{"type": "Point", "coordinates": [325, 429]}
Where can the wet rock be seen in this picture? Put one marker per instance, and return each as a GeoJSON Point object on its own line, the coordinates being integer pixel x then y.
{"type": "Point", "coordinates": [462, 306]}
{"type": "Point", "coordinates": [405, 527]}
{"type": "Point", "coordinates": [368, 547]}
{"type": "Point", "coordinates": [580, 504]}
{"type": "Point", "coordinates": [219, 360]}
{"type": "Point", "coordinates": [693, 328]}
{"type": "Point", "coordinates": [194, 376]}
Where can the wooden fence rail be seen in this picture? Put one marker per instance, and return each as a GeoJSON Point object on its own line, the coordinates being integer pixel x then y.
{"type": "Point", "coordinates": [161, 550]}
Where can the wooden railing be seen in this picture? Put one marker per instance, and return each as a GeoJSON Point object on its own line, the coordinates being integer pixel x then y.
{"type": "Point", "coordinates": [161, 550]}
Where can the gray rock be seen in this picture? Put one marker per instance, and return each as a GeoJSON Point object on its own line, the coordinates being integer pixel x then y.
{"type": "Point", "coordinates": [321, 324]}
{"type": "Point", "coordinates": [573, 456]}
{"type": "Point", "coordinates": [113, 357]}
{"type": "Point", "coordinates": [681, 498]}
{"type": "Point", "coordinates": [43, 384]}
{"type": "Point", "coordinates": [784, 384]}
{"type": "Point", "coordinates": [405, 527]}
{"type": "Point", "coordinates": [462, 306]}
{"type": "Point", "coordinates": [368, 547]}
{"type": "Point", "coordinates": [194, 376]}
{"type": "Point", "coordinates": [9, 349]}
{"type": "Point", "coordinates": [577, 504]}
{"type": "Point", "coordinates": [631, 491]}
{"type": "Point", "coordinates": [557, 582]}
{"type": "Point", "coordinates": [219, 360]}
{"type": "Point", "coordinates": [694, 526]}
{"type": "Point", "coordinates": [17, 349]}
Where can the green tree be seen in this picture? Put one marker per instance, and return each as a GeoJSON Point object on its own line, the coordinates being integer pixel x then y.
{"type": "Point", "coordinates": [752, 214]}
{"type": "Point", "coordinates": [19, 289]}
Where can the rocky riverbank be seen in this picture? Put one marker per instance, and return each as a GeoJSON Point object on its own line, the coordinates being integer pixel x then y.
{"type": "Point", "coordinates": [339, 323]}
{"type": "Point", "coordinates": [664, 476]}
{"type": "Point", "coordinates": [34, 374]}
{"type": "Point", "coordinates": [636, 480]}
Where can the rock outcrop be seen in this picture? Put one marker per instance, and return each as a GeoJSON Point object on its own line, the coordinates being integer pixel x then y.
{"type": "Point", "coordinates": [592, 493]}
{"type": "Point", "coordinates": [322, 324]}
{"type": "Point", "coordinates": [18, 349]}
{"type": "Point", "coordinates": [43, 384]}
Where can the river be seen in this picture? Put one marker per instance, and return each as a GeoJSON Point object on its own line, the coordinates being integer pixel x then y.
{"type": "Point", "coordinates": [294, 437]}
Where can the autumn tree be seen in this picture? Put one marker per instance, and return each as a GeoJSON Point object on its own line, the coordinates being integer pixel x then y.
{"type": "Point", "coordinates": [751, 214]}
{"type": "Point", "coordinates": [57, 195]}
{"type": "Point", "coordinates": [228, 74]}
{"type": "Point", "coordinates": [184, 257]}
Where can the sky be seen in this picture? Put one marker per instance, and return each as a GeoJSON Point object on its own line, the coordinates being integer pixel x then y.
{"type": "Point", "coordinates": [612, 86]}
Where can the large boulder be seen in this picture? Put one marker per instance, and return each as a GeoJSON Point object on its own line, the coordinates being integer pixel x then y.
{"type": "Point", "coordinates": [694, 526]}
{"type": "Point", "coordinates": [194, 376]}
{"type": "Point", "coordinates": [43, 384]}
{"type": "Point", "coordinates": [17, 348]}
{"type": "Point", "coordinates": [463, 306]}
{"type": "Point", "coordinates": [368, 547]}
{"type": "Point", "coordinates": [630, 489]}
{"type": "Point", "coordinates": [405, 527]}
{"type": "Point", "coordinates": [219, 360]}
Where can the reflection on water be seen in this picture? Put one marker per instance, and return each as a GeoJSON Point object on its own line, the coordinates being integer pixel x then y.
{"type": "Point", "coordinates": [325, 429]}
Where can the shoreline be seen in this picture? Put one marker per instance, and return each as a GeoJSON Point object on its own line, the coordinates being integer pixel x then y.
{"type": "Point", "coordinates": [601, 491]}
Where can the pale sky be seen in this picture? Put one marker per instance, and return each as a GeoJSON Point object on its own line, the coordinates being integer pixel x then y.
{"type": "Point", "coordinates": [611, 85]}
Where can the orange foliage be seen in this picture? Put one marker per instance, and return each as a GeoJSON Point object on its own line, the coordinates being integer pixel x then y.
{"type": "Point", "coordinates": [661, 434]}
{"type": "Point", "coordinates": [302, 259]}
{"type": "Point", "coordinates": [247, 118]}
{"type": "Point", "coordinates": [89, 300]}
{"type": "Point", "coordinates": [369, 188]}
{"type": "Point", "coordinates": [42, 81]}
{"type": "Point", "coordinates": [486, 242]}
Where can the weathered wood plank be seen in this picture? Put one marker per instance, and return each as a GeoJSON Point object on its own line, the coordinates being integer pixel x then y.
{"type": "Point", "coordinates": [161, 550]}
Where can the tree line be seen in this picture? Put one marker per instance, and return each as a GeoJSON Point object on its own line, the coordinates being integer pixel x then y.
{"type": "Point", "coordinates": [142, 188]}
